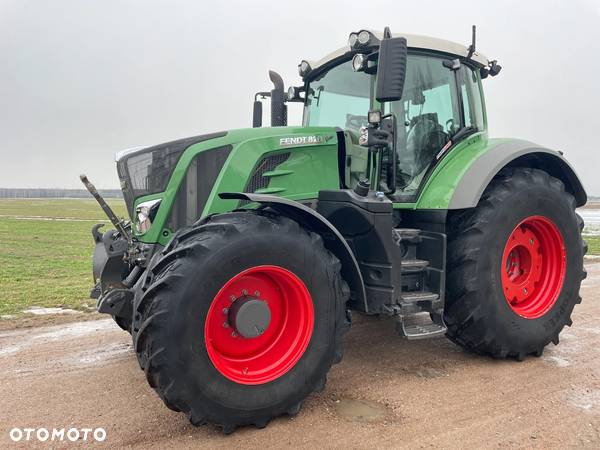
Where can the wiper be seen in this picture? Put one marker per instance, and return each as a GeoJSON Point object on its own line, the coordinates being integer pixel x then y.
{"type": "Point", "coordinates": [456, 137]}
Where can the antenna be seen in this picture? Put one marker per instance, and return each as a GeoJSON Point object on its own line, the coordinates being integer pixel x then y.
{"type": "Point", "coordinates": [472, 46]}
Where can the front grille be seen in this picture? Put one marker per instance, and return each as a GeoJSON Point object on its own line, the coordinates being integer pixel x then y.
{"type": "Point", "coordinates": [258, 180]}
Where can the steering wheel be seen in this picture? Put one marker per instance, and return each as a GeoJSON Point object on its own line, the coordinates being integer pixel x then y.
{"type": "Point", "coordinates": [450, 126]}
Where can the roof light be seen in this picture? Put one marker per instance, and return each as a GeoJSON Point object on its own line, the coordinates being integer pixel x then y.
{"type": "Point", "coordinates": [359, 62]}
{"type": "Point", "coordinates": [303, 68]}
{"type": "Point", "coordinates": [364, 37]}
{"type": "Point", "coordinates": [352, 39]}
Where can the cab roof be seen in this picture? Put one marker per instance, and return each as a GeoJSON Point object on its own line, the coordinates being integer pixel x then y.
{"type": "Point", "coordinates": [414, 41]}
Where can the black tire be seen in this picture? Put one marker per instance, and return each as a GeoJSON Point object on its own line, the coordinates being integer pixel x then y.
{"type": "Point", "coordinates": [124, 324]}
{"type": "Point", "coordinates": [173, 310]}
{"type": "Point", "coordinates": [477, 313]}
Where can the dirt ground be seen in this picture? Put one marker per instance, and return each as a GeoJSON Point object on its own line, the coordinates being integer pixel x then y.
{"type": "Point", "coordinates": [387, 392]}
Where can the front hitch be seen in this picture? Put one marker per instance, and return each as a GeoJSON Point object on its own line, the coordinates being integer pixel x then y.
{"type": "Point", "coordinates": [113, 273]}
{"type": "Point", "coordinates": [109, 264]}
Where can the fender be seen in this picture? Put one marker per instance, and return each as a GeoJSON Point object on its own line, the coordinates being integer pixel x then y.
{"type": "Point", "coordinates": [314, 221]}
{"type": "Point", "coordinates": [462, 175]}
{"type": "Point", "coordinates": [513, 153]}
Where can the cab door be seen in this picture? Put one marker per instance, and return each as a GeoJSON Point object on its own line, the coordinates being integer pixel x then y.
{"type": "Point", "coordinates": [438, 101]}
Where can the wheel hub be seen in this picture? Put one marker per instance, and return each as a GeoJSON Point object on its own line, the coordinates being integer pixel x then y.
{"type": "Point", "coordinates": [534, 266]}
{"type": "Point", "coordinates": [259, 325]}
{"type": "Point", "coordinates": [523, 265]}
{"type": "Point", "coordinates": [249, 316]}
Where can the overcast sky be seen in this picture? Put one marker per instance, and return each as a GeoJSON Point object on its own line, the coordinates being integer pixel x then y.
{"type": "Point", "coordinates": [80, 80]}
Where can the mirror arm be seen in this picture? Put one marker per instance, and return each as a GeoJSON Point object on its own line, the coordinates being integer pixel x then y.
{"type": "Point", "coordinates": [392, 187]}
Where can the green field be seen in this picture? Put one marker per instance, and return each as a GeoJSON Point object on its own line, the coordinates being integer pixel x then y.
{"type": "Point", "coordinates": [45, 252]}
{"type": "Point", "coordinates": [593, 244]}
{"type": "Point", "coordinates": [46, 248]}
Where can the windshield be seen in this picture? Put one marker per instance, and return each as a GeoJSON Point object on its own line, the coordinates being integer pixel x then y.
{"type": "Point", "coordinates": [339, 98]}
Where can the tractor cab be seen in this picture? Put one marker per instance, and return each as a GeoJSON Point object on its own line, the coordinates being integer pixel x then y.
{"type": "Point", "coordinates": [441, 104]}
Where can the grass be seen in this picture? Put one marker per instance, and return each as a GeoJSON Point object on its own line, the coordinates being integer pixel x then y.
{"type": "Point", "coordinates": [46, 248]}
{"type": "Point", "coordinates": [47, 262]}
{"type": "Point", "coordinates": [593, 244]}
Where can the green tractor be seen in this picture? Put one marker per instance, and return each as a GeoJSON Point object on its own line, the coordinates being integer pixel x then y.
{"type": "Point", "coordinates": [248, 249]}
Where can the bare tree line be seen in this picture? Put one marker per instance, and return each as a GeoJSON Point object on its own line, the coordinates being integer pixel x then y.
{"type": "Point", "coordinates": [55, 193]}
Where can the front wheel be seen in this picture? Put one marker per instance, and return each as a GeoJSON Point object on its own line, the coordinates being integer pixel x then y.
{"type": "Point", "coordinates": [242, 320]}
{"type": "Point", "coordinates": [515, 265]}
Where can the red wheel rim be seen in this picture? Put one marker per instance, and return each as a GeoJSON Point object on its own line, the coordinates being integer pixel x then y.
{"type": "Point", "coordinates": [266, 357]}
{"type": "Point", "coordinates": [533, 267]}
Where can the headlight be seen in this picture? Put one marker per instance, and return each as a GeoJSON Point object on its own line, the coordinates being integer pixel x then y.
{"type": "Point", "coordinates": [145, 213]}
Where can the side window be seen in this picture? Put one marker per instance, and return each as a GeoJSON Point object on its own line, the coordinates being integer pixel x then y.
{"type": "Point", "coordinates": [471, 95]}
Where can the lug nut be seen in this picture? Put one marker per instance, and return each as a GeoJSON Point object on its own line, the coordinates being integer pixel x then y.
{"type": "Point", "coordinates": [225, 310]}
{"type": "Point", "coordinates": [256, 294]}
{"type": "Point", "coordinates": [233, 334]}
{"type": "Point", "coordinates": [244, 292]}
{"type": "Point", "coordinates": [225, 324]}
{"type": "Point", "coordinates": [232, 298]}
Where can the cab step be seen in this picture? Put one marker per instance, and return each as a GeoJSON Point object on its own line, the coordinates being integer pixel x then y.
{"type": "Point", "coordinates": [420, 326]}
{"type": "Point", "coordinates": [413, 265]}
{"type": "Point", "coordinates": [408, 235]}
{"type": "Point", "coordinates": [414, 297]}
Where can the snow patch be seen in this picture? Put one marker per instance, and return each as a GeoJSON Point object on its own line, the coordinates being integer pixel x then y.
{"type": "Point", "coordinates": [586, 399]}
{"type": "Point", "coordinates": [99, 356]}
{"type": "Point", "coordinates": [558, 361]}
{"type": "Point", "coordinates": [9, 350]}
{"type": "Point", "coordinates": [26, 338]}
{"type": "Point", "coordinates": [39, 311]}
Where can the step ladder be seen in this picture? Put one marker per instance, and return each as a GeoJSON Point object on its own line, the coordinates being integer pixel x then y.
{"type": "Point", "coordinates": [421, 326]}
{"type": "Point", "coordinates": [419, 311]}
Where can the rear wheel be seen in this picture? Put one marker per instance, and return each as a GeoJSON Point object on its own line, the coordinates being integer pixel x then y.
{"type": "Point", "coordinates": [242, 319]}
{"type": "Point", "coordinates": [515, 266]}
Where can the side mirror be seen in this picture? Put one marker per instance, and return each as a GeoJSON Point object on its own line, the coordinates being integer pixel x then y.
{"type": "Point", "coordinates": [257, 114]}
{"type": "Point", "coordinates": [257, 108]}
{"type": "Point", "coordinates": [391, 68]}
